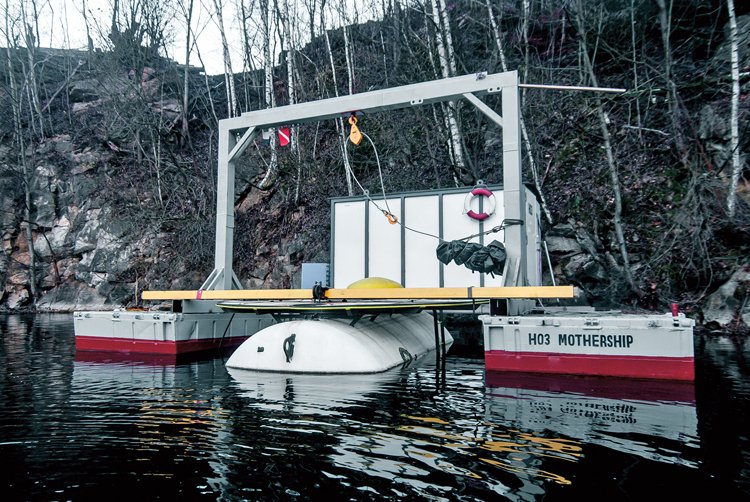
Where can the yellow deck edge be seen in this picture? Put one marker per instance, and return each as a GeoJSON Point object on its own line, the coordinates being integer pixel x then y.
{"type": "Point", "coordinates": [502, 292]}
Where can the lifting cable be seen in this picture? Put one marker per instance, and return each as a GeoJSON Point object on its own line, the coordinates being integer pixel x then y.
{"type": "Point", "coordinates": [355, 137]}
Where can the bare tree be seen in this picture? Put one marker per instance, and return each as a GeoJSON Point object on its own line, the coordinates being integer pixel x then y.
{"type": "Point", "coordinates": [288, 43]}
{"type": "Point", "coordinates": [665, 23]}
{"type": "Point", "coordinates": [348, 57]}
{"type": "Point", "coordinates": [611, 163]}
{"type": "Point", "coordinates": [636, 86]}
{"type": "Point", "coordinates": [311, 6]}
{"type": "Point", "coordinates": [286, 15]}
{"type": "Point", "coordinates": [266, 15]}
{"type": "Point", "coordinates": [208, 85]}
{"type": "Point", "coordinates": [187, 11]}
{"type": "Point", "coordinates": [139, 29]}
{"type": "Point", "coordinates": [446, 58]}
{"type": "Point", "coordinates": [737, 164]}
{"type": "Point", "coordinates": [31, 41]}
{"type": "Point", "coordinates": [89, 40]}
{"type": "Point", "coordinates": [339, 122]}
{"type": "Point", "coordinates": [228, 72]}
{"type": "Point", "coordinates": [18, 134]}
{"type": "Point", "coordinates": [251, 81]}
{"type": "Point", "coordinates": [497, 36]}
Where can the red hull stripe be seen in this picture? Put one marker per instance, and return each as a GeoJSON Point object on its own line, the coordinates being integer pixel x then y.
{"type": "Point", "coordinates": [154, 347]}
{"type": "Point", "coordinates": [606, 387]}
{"type": "Point", "coordinates": [669, 368]}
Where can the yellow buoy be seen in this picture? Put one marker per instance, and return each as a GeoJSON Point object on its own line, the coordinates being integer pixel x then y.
{"type": "Point", "coordinates": [374, 283]}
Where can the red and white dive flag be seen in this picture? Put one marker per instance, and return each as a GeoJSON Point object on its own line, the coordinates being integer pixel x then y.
{"type": "Point", "coordinates": [284, 136]}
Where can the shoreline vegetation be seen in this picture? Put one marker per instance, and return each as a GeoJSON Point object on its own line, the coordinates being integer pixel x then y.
{"type": "Point", "coordinates": [108, 154]}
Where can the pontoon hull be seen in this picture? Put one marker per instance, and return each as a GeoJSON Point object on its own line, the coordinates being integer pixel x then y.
{"type": "Point", "coordinates": [166, 333]}
{"type": "Point", "coordinates": [637, 346]}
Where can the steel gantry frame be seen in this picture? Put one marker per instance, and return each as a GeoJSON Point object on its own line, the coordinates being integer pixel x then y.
{"type": "Point", "coordinates": [235, 135]}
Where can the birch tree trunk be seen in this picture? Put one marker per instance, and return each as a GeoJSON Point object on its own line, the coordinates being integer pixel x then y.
{"type": "Point", "coordinates": [248, 63]}
{"type": "Point", "coordinates": [446, 30]}
{"type": "Point", "coordinates": [447, 65]}
{"type": "Point", "coordinates": [396, 37]}
{"type": "Point", "coordinates": [526, 7]}
{"type": "Point", "coordinates": [385, 54]}
{"type": "Point", "coordinates": [285, 16]}
{"type": "Point", "coordinates": [228, 73]}
{"type": "Point", "coordinates": [442, 120]}
{"type": "Point", "coordinates": [348, 56]}
{"type": "Point", "coordinates": [290, 66]}
{"type": "Point", "coordinates": [266, 13]}
{"type": "Point", "coordinates": [246, 52]}
{"type": "Point", "coordinates": [734, 119]}
{"type": "Point", "coordinates": [344, 138]}
{"type": "Point", "coordinates": [613, 174]}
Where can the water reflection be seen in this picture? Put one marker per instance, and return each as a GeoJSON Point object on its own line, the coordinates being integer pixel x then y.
{"type": "Point", "coordinates": [656, 420]}
{"type": "Point", "coordinates": [425, 429]}
{"type": "Point", "coordinates": [81, 425]}
{"type": "Point", "coordinates": [159, 417]}
{"type": "Point", "coordinates": [723, 393]}
{"type": "Point", "coordinates": [508, 433]}
{"type": "Point", "coordinates": [314, 394]}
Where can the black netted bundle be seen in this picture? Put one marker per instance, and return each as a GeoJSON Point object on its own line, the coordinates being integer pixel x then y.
{"type": "Point", "coordinates": [489, 259]}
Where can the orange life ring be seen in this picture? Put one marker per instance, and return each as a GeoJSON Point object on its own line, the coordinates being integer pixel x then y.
{"type": "Point", "coordinates": [477, 192]}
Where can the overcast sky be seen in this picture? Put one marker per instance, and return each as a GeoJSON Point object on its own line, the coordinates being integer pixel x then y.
{"type": "Point", "coordinates": [62, 25]}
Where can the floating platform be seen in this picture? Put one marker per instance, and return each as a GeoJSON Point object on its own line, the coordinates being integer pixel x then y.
{"type": "Point", "coordinates": [197, 324]}
{"type": "Point", "coordinates": [587, 342]}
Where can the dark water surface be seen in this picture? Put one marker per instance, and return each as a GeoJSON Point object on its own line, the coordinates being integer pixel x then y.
{"type": "Point", "coordinates": [93, 426]}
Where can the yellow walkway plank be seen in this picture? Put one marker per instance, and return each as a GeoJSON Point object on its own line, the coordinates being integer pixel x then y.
{"type": "Point", "coordinates": [379, 293]}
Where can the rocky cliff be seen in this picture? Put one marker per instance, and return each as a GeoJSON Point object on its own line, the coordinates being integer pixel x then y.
{"type": "Point", "coordinates": [110, 189]}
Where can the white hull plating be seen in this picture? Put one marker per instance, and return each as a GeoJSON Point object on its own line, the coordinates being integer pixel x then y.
{"type": "Point", "coordinates": [592, 343]}
{"type": "Point", "coordinates": [335, 346]}
{"type": "Point", "coordinates": [168, 333]}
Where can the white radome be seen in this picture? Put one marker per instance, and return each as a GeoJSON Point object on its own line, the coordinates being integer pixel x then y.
{"type": "Point", "coordinates": [371, 345]}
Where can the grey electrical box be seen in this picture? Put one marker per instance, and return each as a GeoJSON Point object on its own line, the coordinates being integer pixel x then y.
{"type": "Point", "coordinates": [313, 273]}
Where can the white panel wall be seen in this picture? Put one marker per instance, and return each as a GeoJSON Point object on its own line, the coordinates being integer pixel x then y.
{"type": "Point", "coordinates": [348, 243]}
{"type": "Point", "coordinates": [422, 266]}
{"type": "Point", "coordinates": [385, 241]}
{"type": "Point", "coordinates": [421, 212]}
